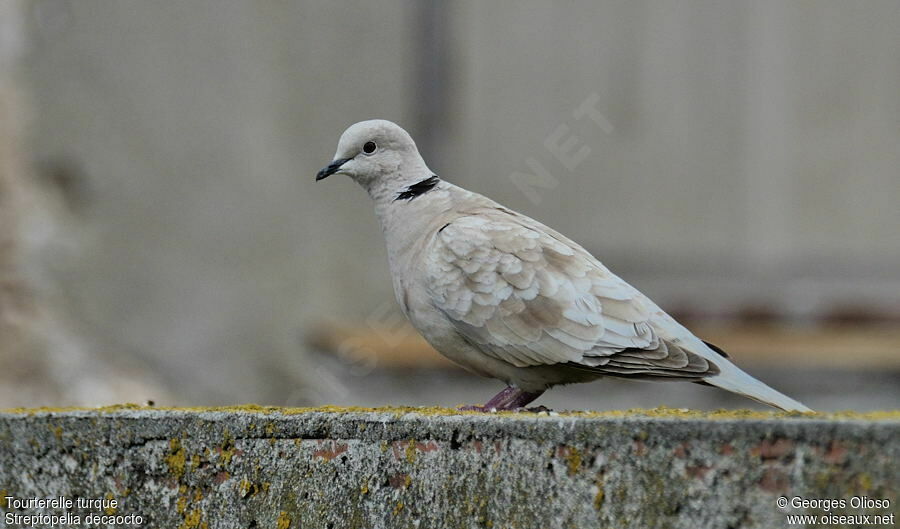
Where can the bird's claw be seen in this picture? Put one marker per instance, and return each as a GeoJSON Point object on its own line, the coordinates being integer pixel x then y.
{"type": "Point", "coordinates": [535, 409]}
{"type": "Point", "coordinates": [484, 409]}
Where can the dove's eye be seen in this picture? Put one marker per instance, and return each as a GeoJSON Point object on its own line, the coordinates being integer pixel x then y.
{"type": "Point", "coordinates": [369, 147]}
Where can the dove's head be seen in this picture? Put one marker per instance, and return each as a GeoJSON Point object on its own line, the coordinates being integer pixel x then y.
{"type": "Point", "coordinates": [379, 155]}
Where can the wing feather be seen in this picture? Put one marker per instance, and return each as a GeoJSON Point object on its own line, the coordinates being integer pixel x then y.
{"type": "Point", "coordinates": [526, 295]}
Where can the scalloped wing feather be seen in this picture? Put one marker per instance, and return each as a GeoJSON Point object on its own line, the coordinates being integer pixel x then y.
{"type": "Point", "coordinates": [526, 295]}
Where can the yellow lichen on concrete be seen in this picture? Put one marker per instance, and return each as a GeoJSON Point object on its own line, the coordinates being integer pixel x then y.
{"type": "Point", "coordinates": [245, 488]}
{"type": "Point", "coordinates": [660, 412]}
{"type": "Point", "coordinates": [193, 520]}
{"type": "Point", "coordinates": [599, 496]}
{"type": "Point", "coordinates": [175, 459]}
{"type": "Point", "coordinates": [573, 460]}
{"type": "Point", "coordinates": [411, 451]}
{"type": "Point", "coordinates": [110, 510]}
{"type": "Point", "coordinates": [283, 521]}
{"type": "Point", "coordinates": [226, 451]}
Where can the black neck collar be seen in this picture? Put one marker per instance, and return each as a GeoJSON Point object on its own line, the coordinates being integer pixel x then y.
{"type": "Point", "coordinates": [418, 189]}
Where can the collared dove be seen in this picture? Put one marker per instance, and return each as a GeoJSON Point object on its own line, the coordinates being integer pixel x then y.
{"type": "Point", "coordinates": [506, 297]}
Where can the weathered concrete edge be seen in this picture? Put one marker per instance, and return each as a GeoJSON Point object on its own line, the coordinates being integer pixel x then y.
{"type": "Point", "coordinates": [234, 469]}
{"type": "Point", "coordinates": [164, 424]}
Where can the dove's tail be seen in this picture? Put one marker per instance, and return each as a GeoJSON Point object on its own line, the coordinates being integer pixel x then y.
{"type": "Point", "coordinates": [731, 378]}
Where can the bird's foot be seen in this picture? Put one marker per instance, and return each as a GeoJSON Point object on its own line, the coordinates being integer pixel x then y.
{"type": "Point", "coordinates": [485, 409]}
{"type": "Point", "coordinates": [510, 399]}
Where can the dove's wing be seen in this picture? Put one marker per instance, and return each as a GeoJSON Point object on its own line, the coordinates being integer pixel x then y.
{"type": "Point", "coordinates": [530, 297]}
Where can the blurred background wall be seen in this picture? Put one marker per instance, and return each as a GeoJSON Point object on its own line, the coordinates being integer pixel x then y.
{"type": "Point", "coordinates": [731, 159]}
{"type": "Point", "coordinates": [18, 351]}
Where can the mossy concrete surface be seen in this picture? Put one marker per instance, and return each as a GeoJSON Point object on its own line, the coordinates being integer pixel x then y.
{"type": "Point", "coordinates": [272, 468]}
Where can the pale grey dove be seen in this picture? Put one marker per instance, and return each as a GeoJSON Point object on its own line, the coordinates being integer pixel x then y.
{"type": "Point", "coordinates": [506, 297]}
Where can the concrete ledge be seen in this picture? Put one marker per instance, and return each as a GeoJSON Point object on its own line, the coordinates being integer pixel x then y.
{"type": "Point", "coordinates": [264, 467]}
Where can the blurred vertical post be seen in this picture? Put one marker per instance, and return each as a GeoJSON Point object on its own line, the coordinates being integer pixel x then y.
{"type": "Point", "coordinates": [434, 79]}
{"type": "Point", "coordinates": [20, 352]}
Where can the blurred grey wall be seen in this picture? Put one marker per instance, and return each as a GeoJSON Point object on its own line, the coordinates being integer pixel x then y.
{"type": "Point", "coordinates": [755, 151]}
{"type": "Point", "coordinates": [43, 359]}
{"type": "Point", "coordinates": [20, 354]}
{"type": "Point", "coordinates": [737, 153]}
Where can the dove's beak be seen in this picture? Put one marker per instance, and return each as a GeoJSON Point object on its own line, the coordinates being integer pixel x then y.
{"type": "Point", "coordinates": [332, 168]}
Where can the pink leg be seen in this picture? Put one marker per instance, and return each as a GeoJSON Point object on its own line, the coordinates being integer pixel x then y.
{"type": "Point", "coordinates": [508, 399]}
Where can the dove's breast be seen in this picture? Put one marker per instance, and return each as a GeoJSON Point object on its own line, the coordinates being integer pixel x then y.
{"type": "Point", "coordinates": [442, 335]}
